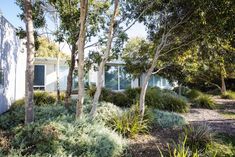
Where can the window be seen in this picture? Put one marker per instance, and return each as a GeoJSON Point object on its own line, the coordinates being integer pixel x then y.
{"type": "Point", "coordinates": [125, 78]}
{"type": "Point", "coordinates": [75, 80]}
{"type": "Point", "coordinates": [39, 77]}
{"type": "Point", "coordinates": [116, 77]}
{"type": "Point", "coordinates": [111, 77]}
{"type": "Point", "coordinates": [1, 78]}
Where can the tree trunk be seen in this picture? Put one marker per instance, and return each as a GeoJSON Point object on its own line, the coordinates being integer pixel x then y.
{"type": "Point", "coordinates": [81, 45]}
{"type": "Point", "coordinates": [103, 62]}
{"type": "Point", "coordinates": [144, 89]}
{"type": "Point", "coordinates": [29, 104]}
{"type": "Point", "coordinates": [70, 77]}
{"type": "Point", "coordinates": [58, 77]}
{"type": "Point", "coordinates": [223, 85]}
{"type": "Point", "coordinates": [145, 83]}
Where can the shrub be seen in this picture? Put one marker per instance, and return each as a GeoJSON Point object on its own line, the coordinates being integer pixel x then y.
{"type": "Point", "coordinates": [193, 94]}
{"type": "Point", "coordinates": [181, 150]}
{"type": "Point", "coordinates": [220, 149]}
{"type": "Point", "coordinates": [168, 119]}
{"type": "Point", "coordinates": [173, 103]}
{"type": "Point", "coordinates": [129, 124]}
{"type": "Point", "coordinates": [41, 98]}
{"type": "Point", "coordinates": [184, 90]}
{"type": "Point", "coordinates": [153, 97]}
{"type": "Point", "coordinates": [133, 94]}
{"type": "Point", "coordinates": [106, 111]}
{"type": "Point", "coordinates": [55, 133]}
{"type": "Point", "coordinates": [38, 138]}
{"type": "Point", "coordinates": [204, 101]}
{"type": "Point", "coordinates": [228, 95]}
{"type": "Point", "coordinates": [198, 136]}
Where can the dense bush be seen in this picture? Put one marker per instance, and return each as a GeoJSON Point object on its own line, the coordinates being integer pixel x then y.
{"type": "Point", "coordinates": [173, 103]}
{"type": "Point", "coordinates": [228, 95]}
{"type": "Point", "coordinates": [117, 98]}
{"type": "Point", "coordinates": [168, 119]}
{"type": "Point", "coordinates": [220, 149]}
{"type": "Point", "coordinates": [133, 94]}
{"type": "Point", "coordinates": [155, 97]}
{"type": "Point", "coordinates": [55, 133]}
{"type": "Point", "coordinates": [193, 94]}
{"type": "Point", "coordinates": [198, 136]}
{"type": "Point", "coordinates": [184, 90]}
{"type": "Point", "coordinates": [41, 98]}
{"type": "Point", "coordinates": [204, 101]}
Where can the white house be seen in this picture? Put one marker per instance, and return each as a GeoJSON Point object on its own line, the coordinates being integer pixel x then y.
{"type": "Point", "coordinates": [115, 76]}
{"type": "Point", "coordinates": [12, 65]}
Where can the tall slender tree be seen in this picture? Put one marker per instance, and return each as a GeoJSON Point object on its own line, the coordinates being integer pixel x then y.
{"type": "Point", "coordinates": [105, 58]}
{"type": "Point", "coordinates": [81, 46]}
{"type": "Point", "coordinates": [29, 103]}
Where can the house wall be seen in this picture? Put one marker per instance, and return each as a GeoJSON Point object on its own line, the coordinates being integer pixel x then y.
{"type": "Point", "coordinates": [12, 58]}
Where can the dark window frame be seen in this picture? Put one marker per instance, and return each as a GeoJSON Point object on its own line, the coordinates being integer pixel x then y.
{"type": "Point", "coordinates": [37, 86]}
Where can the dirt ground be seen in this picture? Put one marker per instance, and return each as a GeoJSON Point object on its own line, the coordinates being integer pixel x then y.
{"type": "Point", "coordinates": [148, 145]}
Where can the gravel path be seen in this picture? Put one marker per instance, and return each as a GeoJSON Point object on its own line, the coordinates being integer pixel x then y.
{"type": "Point", "coordinates": [214, 118]}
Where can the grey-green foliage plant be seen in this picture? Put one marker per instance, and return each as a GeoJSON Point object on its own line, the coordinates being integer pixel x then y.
{"type": "Point", "coordinates": [168, 119]}
{"type": "Point", "coordinates": [55, 133]}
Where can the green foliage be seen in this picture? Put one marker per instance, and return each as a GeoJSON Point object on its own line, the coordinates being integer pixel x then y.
{"type": "Point", "coordinates": [184, 90]}
{"type": "Point", "coordinates": [228, 95]}
{"type": "Point", "coordinates": [117, 98]}
{"type": "Point", "coordinates": [48, 48]}
{"type": "Point", "coordinates": [173, 103]}
{"type": "Point", "coordinates": [198, 136]}
{"type": "Point", "coordinates": [133, 94]}
{"type": "Point", "coordinates": [220, 149]}
{"type": "Point", "coordinates": [193, 94]}
{"type": "Point", "coordinates": [107, 111]}
{"type": "Point", "coordinates": [55, 133]}
{"type": "Point", "coordinates": [41, 98]}
{"type": "Point", "coordinates": [168, 119]}
{"type": "Point", "coordinates": [204, 101]}
{"type": "Point", "coordinates": [181, 150]}
{"type": "Point", "coordinates": [129, 123]}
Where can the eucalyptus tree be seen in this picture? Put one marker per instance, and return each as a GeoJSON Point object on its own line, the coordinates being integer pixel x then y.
{"type": "Point", "coordinates": [173, 25]}
{"type": "Point", "coordinates": [33, 17]}
{"type": "Point", "coordinates": [169, 25]}
{"type": "Point", "coordinates": [105, 58]}
{"type": "Point", "coordinates": [69, 14]}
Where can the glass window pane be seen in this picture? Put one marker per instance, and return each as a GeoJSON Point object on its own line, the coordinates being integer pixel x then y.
{"type": "Point", "coordinates": [39, 75]}
{"type": "Point", "coordinates": [151, 81]}
{"type": "Point", "coordinates": [111, 77]}
{"type": "Point", "coordinates": [125, 78]}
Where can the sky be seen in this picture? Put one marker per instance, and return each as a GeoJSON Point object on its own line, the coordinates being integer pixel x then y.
{"type": "Point", "coordinates": [10, 11]}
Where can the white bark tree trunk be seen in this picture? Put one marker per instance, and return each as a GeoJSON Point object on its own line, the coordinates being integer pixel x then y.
{"type": "Point", "coordinates": [81, 45]}
{"type": "Point", "coordinates": [29, 103]}
{"type": "Point", "coordinates": [145, 84]}
{"type": "Point", "coordinates": [104, 60]}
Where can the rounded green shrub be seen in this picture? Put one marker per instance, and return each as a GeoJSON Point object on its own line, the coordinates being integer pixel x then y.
{"type": "Point", "coordinates": [193, 94]}
{"type": "Point", "coordinates": [173, 103]}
